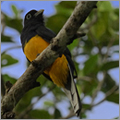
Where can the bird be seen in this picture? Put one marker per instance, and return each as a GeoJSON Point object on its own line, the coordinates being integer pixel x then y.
{"type": "Point", "coordinates": [35, 37]}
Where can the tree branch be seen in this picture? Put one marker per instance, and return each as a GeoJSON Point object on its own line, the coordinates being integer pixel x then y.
{"type": "Point", "coordinates": [2, 86]}
{"type": "Point", "coordinates": [28, 80]}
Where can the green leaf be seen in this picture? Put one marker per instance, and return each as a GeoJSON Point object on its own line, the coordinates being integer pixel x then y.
{"type": "Point", "coordinates": [110, 65]}
{"type": "Point", "coordinates": [57, 114]}
{"type": "Point", "coordinates": [58, 93]}
{"type": "Point", "coordinates": [108, 83]}
{"type": "Point", "coordinates": [5, 38]}
{"type": "Point", "coordinates": [17, 23]}
{"type": "Point", "coordinates": [83, 115]}
{"type": "Point", "coordinates": [88, 87]}
{"type": "Point", "coordinates": [39, 114]}
{"type": "Point", "coordinates": [86, 106]}
{"type": "Point", "coordinates": [64, 10]}
{"type": "Point", "coordinates": [73, 44]}
{"type": "Point", "coordinates": [114, 98]}
{"type": "Point", "coordinates": [68, 4]}
{"type": "Point", "coordinates": [79, 89]}
{"type": "Point", "coordinates": [101, 26]}
{"type": "Point", "coordinates": [6, 78]}
{"type": "Point", "coordinates": [90, 64]}
{"type": "Point", "coordinates": [7, 60]}
{"type": "Point", "coordinates": [115, 19]}
{"type": "Point", "coordinates": [14, 9]}
{"type": "Point", "coordinates": [25, 101]}
{"type": "Point", "coordinates": [58, 20]}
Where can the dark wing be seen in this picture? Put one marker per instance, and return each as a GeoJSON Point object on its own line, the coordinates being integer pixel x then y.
{"type": "Point", "coordinates": [45, 33]}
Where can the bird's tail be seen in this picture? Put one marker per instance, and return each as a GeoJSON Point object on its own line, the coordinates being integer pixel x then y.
{"type": "Point", "coordinates": [72, 93]}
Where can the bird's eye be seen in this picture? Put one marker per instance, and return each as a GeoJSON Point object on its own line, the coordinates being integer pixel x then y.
{"type": "Point", "coordinates": [28, 16]}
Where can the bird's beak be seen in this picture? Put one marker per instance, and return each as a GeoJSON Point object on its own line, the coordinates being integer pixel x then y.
{"type": "Point", "coordinates": [39, 12]}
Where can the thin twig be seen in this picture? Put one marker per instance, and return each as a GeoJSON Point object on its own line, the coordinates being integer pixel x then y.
{"type": "Point", "coordinates": [84, 78]}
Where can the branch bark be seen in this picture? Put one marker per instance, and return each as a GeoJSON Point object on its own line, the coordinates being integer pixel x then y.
{"type": "Point", "coordinates": [2, 86]}
{"type": "Point", "coordinates": [28, 80]}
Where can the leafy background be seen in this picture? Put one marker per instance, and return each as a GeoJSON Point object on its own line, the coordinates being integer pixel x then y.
{"type": "Point", "coordinates": [96, 57]}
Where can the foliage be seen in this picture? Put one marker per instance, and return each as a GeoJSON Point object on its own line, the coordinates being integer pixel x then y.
{"type": "Point", "coordinates": [92, 55]}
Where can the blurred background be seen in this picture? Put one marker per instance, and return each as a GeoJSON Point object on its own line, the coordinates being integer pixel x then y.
{"type": "Point", "coordinates": [96, 57]}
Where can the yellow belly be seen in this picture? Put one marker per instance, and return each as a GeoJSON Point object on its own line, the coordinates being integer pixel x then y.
{"type": "Point", "coordinates": [34, 47]}
{"type": "Point", "coordinates": [58, 71]}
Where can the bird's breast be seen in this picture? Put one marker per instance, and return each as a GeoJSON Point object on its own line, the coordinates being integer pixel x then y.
{"type": "Point", "coordinates": [58, 71]}
{"type": "Point", "coordinates": [34, 47]}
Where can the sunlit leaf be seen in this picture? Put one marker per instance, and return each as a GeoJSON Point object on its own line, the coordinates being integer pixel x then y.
{"type": "Point", "coordinates": [48, 103]}
{"type": "Point", "coordinates": [73, 44]}
{"type": "Point", "coordinates": [104, 6]}
{"type": "Point", "coordinates": [14, 10]}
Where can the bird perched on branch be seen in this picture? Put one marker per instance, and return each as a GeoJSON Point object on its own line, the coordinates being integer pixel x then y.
{"type": "Point", "coordinates": [35, 37]}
